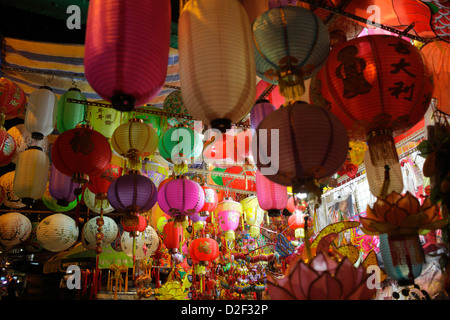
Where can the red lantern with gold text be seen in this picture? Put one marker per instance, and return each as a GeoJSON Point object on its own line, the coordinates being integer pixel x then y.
{"type": "Point", "coordinates": [134, 223]}
{"type": "Point", "coordinates": [173, 236]}
{"type": "Point", "coordinates": [12, 99]}
{"type": "Point", "coordinates": [99, 184]}
{"type": "Point", "coordinates": [378, 86]}
{"type": "Point", "coordinates": [203, 250]}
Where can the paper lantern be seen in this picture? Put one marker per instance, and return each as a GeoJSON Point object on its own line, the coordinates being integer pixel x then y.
{"type": "Point", "coordinates": [132, 193]}
{"type": "Point", "coordinates": [15, 228]}
{"type": "Point", "coordinates": [158, 122]}
{"type": "Point", "coordinates": [104, 119]}
{"type": "Point", "coordinates": [69, 114]}
{"type": "Point", "coordinates": [135, 139]}
{"type": "Point", "coordinates": [96, 205]}
{"type": "Point", "coordinates": [253, 214]}
{"type": "Point", "coordinates": [199, 221]}
{"type": "Point", "coordinates": [239, 183]}
{"type": "Point", "coordinates": [12, 99]}
{"type": "Point", "coordinates": [259, 111]}
{"type": "Point", "coordinates": [203, 250]}
{"type": "Point", "coordinates": [109, 230]}
{"type": "Point", "coordinates": [173, 236]}
{"type": "Point", "coordinates": [290, 44]}
{"type": "Point", "coordinates": [134, 223]}
{"type": "Point", "coordinates": [7, 184]}
{"type": "Point", "coordinates": [24, 140]}
{"type": "Point", "coordinates": [269, 92]}
{"type": "Point", "coordinates": [296, 222]}
{"type": "Point", "coordinates": [99, 184]}
{"type": "Point", "coordinates": [272, 197]}
{"type": "Point", "coordinates": [61, 187]}
{"type": "Point", "coordinates": [180, 144]}
{"type": "Point", "coordinates": [217, 179]}
{"type": "Point", "coordinates": [211, 200]}
{"type": "Point", "coordinates": [7, 147]}
{"type": "Point", "coordinates": [295, 204]}
{"type": "Point", "coordinates": [228, 213]}
{"type": "Point", "coordinates": [217, 67]}
{"type": "Point", "coordinates": [378, 86]}
{"type": "Point", "coordinates": [52, 203]}
{"type": "Point", "coordinates": [376, 177]}
{"type": "Point", "coordinates": [57, 232]}
{"type": "Point", "coordinates": [173, 103]}
{"type": "Point", "coordinates": [114, 62]}
{"type": "Point", "coordinates": [312, 144]}
{"type": "Point", "coordinates": [146, 243]}
{"type": "Point", "coordinates": [40, 115]}
{"type": "Point", "coordinates": [32, 169]}
{"type": "Point", "coordinates": [154, 171]}
{"type": "Point", "coordinates": [80, 153]}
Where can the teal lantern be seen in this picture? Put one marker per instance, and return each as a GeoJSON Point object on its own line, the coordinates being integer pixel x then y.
{"type": "Point", "coordinates": [158, 122]}
{"type": "Point", "coordinates": [180, 145]}
{"type": "Point", "coordinates": [69, 114]}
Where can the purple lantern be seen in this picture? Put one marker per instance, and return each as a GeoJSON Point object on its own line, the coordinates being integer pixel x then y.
{"type": "Point", "coordinates": [132, 193]}
{"type": "Point", "coordinates": [259, 112]}
{"type": "Point", "coordinates": [272, 197]}
{"type": "Point", "coordinates": [181, 198]}
{"type": "Point", "coordinates": [61, 187]}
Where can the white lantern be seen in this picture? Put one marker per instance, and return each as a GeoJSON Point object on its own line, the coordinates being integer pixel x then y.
{"type": "Point", "coordinates": [40, 115]}
{"type": "Point", "coordinates": [146, 243]}
{"type": "Point", "coordinates": [109, 230]}
{"type": "Point", "coordinates": [95, 205]}
{"type": "Point", "coordinates": [24, 140]}
{"type": "Point", "coordinates": [32, 169]}
{"type": "Point", "coordinates": [57, 232]}
{"type": "Point", "coordinates": [7, 183]}
{"type": "Point", "coordinates": [15, 228]}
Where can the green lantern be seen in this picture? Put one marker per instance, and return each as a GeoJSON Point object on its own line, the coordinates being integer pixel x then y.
{"type": "Point", "coordinates": [104, 119]}
{"type": "Point", "coordinates": [158, 122]}
{"type": "Point", "coordinates": [69, 114]}
{"type": "Point", "coordinates": [174, 104]}
{"type": "Point", "coordinates": [216, 178]}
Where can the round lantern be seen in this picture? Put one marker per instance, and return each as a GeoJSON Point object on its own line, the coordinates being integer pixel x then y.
{"type": "Point", "coordinates": [7, 147]}
{"type": "Point", "coordinates": [173, 236]}
{"type": "Point", "coordinates": [96, 205]}
{"type": "Point", "coordinates": [239, 183]}
{"type": "Point", "coordinates": [180, 144]}
{"type": "Point", "coordinates": [296, 203]}
{"type": "Point", "coordinates": [57, 232]}
{"type": "Point", "coordinates": [290, 44]}
{"type": "Point", "coordinates": [150, 116]}
{"type": "Point", "coordinates": [12, 99]}
{"type": "Point", "coordinates": [376, 176]}
{"type": "Point", "coordinates": [7, 184]}
{"type": "Point", "coordinates": [40, 115]}
{"type": "Point", "coordinates": [211, 44]}
{"type": "Point", "coordinates": [114, 62]}
{"type": "Point", "coordinates": [24, 140]}
{"type": "Point", "coordinates": [296, 222]}
{"type": "Point", "coordinates": [52, 203]}
{"type": "Point", "coordinates": [69, 114]}
{"type": "Point", "coordinates": [180, 198]}
{"type": "Point", "coordinates": [103, 118]}
{"type": "Point", "coordinates": [80, 153]}
{"type": "Point", "coordinates": [272, 197]}
{"type": "Point", "coordinates": [134, 223]}
{"type": "Point", "coordinates": [61, 187]}
{"type": "Point", "coordinates": [259, 112]}
{"type": "Point", "coordinates": [173, 103]}
{"type": "Point", "coordinates": [199, 221]}
{"type": "Point", "coordinates": [154, 171]}
{"type": "Point", "coordinates": [15, 228]}
{"type": "Point", "coordinates": [403, 257]}
{"type": "Point", "coordinates": [378, 86]}
{"type": "Point", "coordinates": [228, 213]}
{"type": "Point", "coordinates": [310, 141]}
{"type": "Point", "coordinates": [132, 193]}
{"type": "Point", "coordinates": [203, 250]}
{"type": "Point", "coordinates": [99, 184]}
{"type": "Point", "coordinates": [211, 201]}
{"type": "Point", "coordinates": [109, 230]}
{"type": "Point", "coordinates": [135, 139]}
{"type": "Point", "coordinates": [32, 169]}
{"type": "Point", "coordinates": [145, 244]}
{"type": "Point", "coordinates": [253, 214]}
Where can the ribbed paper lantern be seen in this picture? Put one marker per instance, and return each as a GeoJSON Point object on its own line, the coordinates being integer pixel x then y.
{"type": "Point", "coordinates": [132, 193]}
{"type": "Point", "coordinates": [135, 139]}
{"type": "Point", "coordinates": [259, 111]}
{"type": "Point", "coordinates": [96, 205]}
{"type": "Point", "coordinates": [217, 63]}
{"type": "Point", "coordinates": [69, 114]}
{"type": "Point", "coordinates": [127, 50]}
{"type": "Point", "coordinates": [57, 232]}
{"type": "Point", "coordinates": [134, 223]}
{"type": "Point", "coordinates": [173, 103]}
{"type": "Point", "coordinates": [296, 222]}
{"type": "Point", "coordinates": [99, 184]}
{"type": "Point", "coordinates": [290, 44]}
{"type": "Point", "coordinates": [103, 118]}
{"type": "Point", "coordinates": [146, 243]}
{"type": "Point", "coordinates": [80, 153]}
{"type": "Point", "coordinates": [154, 171]}
{"type": "Point", "coordinates": [158, 122]}
{"type": "Point", "coordinates": [253, 214]}
{"type": "Point", "coordinates": [403, 257]}
{"type": "Point", "coordinates": [15, 228]}
{"type": "Point", "coordinates": [203, 250]}
{"type": "Point", "coordinates": [61, 187]}
{"type": "Point", "coordinates": [7, 184]}
{"type": "Point", "coordinates": [52, 203]}
{"type": "Point", "coordinates": [173, 236]}
{"type": "Point", "coordinates": [12, 99]}
{"type": "Point", "coordinates": [376, 176]}
{"type": "Point", "coordinates": [7, 147]}
{"type": "Point", "coordinates": [378, 86]}
{"type": "Point", "coordinates": [24, 140]}
{"type": "Point", "coordinates": [109, 230]}
{"type": "Point", "coordinates": [272, 197]}
{"type": "Point", "coordinates": [180, 144]}
{"type": "Point", "coordinates": [180, 198]}
{"type": "Point", "coordinates": [312, 144]}
{"type": "Point", "coordinates": [228, 213]}
{"type": "Point", "coordinates": [40, 115]}
{"type": "Point", "coordinates": [32, 170]}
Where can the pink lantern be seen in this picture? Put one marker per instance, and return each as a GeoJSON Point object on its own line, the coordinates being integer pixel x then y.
{"type": "Point", "coordinates": [228, 212]}
{"type": "Point", "coordinates": [272, 197]}
{"type": "Point", "coordinates": [127, 50]}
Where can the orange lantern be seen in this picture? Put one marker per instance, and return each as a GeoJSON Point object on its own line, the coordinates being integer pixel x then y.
{"type": "Point", "coordinates": [12, 99]}
{"type": "Point", "coordinates": [203, 250]}
{"type": "Point", "coordinates": [173, 236]}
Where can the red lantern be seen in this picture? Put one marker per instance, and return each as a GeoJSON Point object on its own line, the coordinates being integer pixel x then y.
{"type": "Point", "coordinates": [173, 235]}
{"type": "Point", "coordinates": [127, 50]}
{"type": "Point", "coordinates": [133, 223]}
{"type": "Point", "coordinates": [203, 250]}
{"type": "Point", "coordinates": [296, 221]}
{"type": "Point", "coordinates": [292, 206]}
{"type": "Point", "coordinates": [211, 200]}
{"type": "Point", "coordinates": [239, 183]}
{"type": "Point", "coordinates": [99, 184]}
{"type": "Point", "coordinates": [7, 147]}
{"type": "Point", "coordinates": [81, 152]}
{"type": "Point", "coordinates": [12, 99]}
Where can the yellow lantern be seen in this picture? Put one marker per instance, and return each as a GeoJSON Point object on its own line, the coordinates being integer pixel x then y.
{"type": "Point", "coordinates": [253, 214]}
{"type": "Point", "coordinates": [103, 119]}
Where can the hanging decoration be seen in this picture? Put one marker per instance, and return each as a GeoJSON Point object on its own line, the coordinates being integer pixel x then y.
{"type": "Point", "coordinates": [8, 145]}
{"type": "Point", "coordinates": [99, 184]}
{"type": "Point", "coordinates": [57, 232]}
{"type": "Point", "coordinates": [40, 115]}
{"type": "Point", "coordinates": [24, 140]}
{"type": "Point", "coordinates": [62, 188]}
{"type": "Point", "coordinates": [96, 205]}
{"type": "Point", "coordinates": [228, 213]}
{"type": "Point", "coordinates": [104, 119]}
{"type": "Point", "coordinates": [109, 231]}
{"type": "Point", "coordinates": [69, 114]}
{"type": "Point", "coordinates": [15, 228]}
{"type": "Point", "coordinates": [154, 171]}
{"type": "Point", "coordinates": [173, 103]}
{"type": "Point", "coordinates": [173, 236]}
{"type": "Point", "coordinates": [272, 197]}
{"type": "Point", "coordinates": [145, 245]}
{"type": "Point", "coordinates": [12, 99]}
{"type": "Point", "coordinates": [52, 203]}
{"type": "Point", "coordinates": [159, 123]}
{"type": "Point", "coordinates": [253, 214]}
{"type": "Point", "coordinates": [7, 184]}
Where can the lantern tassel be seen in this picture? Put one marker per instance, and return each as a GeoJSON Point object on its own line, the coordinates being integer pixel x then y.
{"type": "Point", "coordinates": [386, 182]}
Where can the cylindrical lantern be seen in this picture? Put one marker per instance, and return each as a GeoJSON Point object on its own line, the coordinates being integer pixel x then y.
{"type": "Point", "coordinates": [57, 232]}
{"type": "Point", "coordinates": [30, 180]}
{"type": "Point", "coordinates": [378, 86]}
{"type": "Point", "coordinates": [24, 140]}
{"type": "Point", "coordinates": [203, 250]}
{"type": "Point", "coordinates": [305, 143]}
{"type": "Point", "coordinates": [146, 243]}
{"type": "Point", "coordinates": [109, 231]}
{"type": "Point", "coordinates": [7, 184]}
{"type": "Point", "coordinates": [180, 144]}
{"type": "Point", "coordinates": [180, 198]}
{"type": "Point", "coordinates": [12, 99]}
{"type": "Point", "coordinates": [211, 201]}
{"type": "Point", "coordinates": [80, 153]}
{"type": "Point", "coordinates": [114, 62]}
{"type": "Point", "coordinates": [376, 176]}
{"type": "Point", "coordinates": [290, 44]}
{"type": "Point", "coordinates": [7, 147]}
{"type": "Point", "coordinates": [154, 171]}
{"type": "Point", "coordinates": [15, 228]}
{"type": "Point", "coordinates": [135, 139]}
{"type": "Point", "coordinates": [173, 236]}
{"type": "Point", "coordinates": [104, 119]}
{"type": "Point", "coordinates": [272, 197]}
{"type": "Point", "coordinates": [99, 184]}
{"type": "Point", "coordinates": [403, 257]}
{"type": "Point", "coordinates": [61, 187]}
{"type": "Point", "coordinates": [96, 205]}
{"type": "Point", "coordinates": [228, 213]}
{"type": "Point", "coordinates": [217, 63]}
{"type": "Point", "coordinates": [253, 214]}
{"type": "Point", "coordinates": [132, 193]}
{"type": "Point", "coordinates": [69, 114]}
{"type": "Point", "coordinates": [40, 115]}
